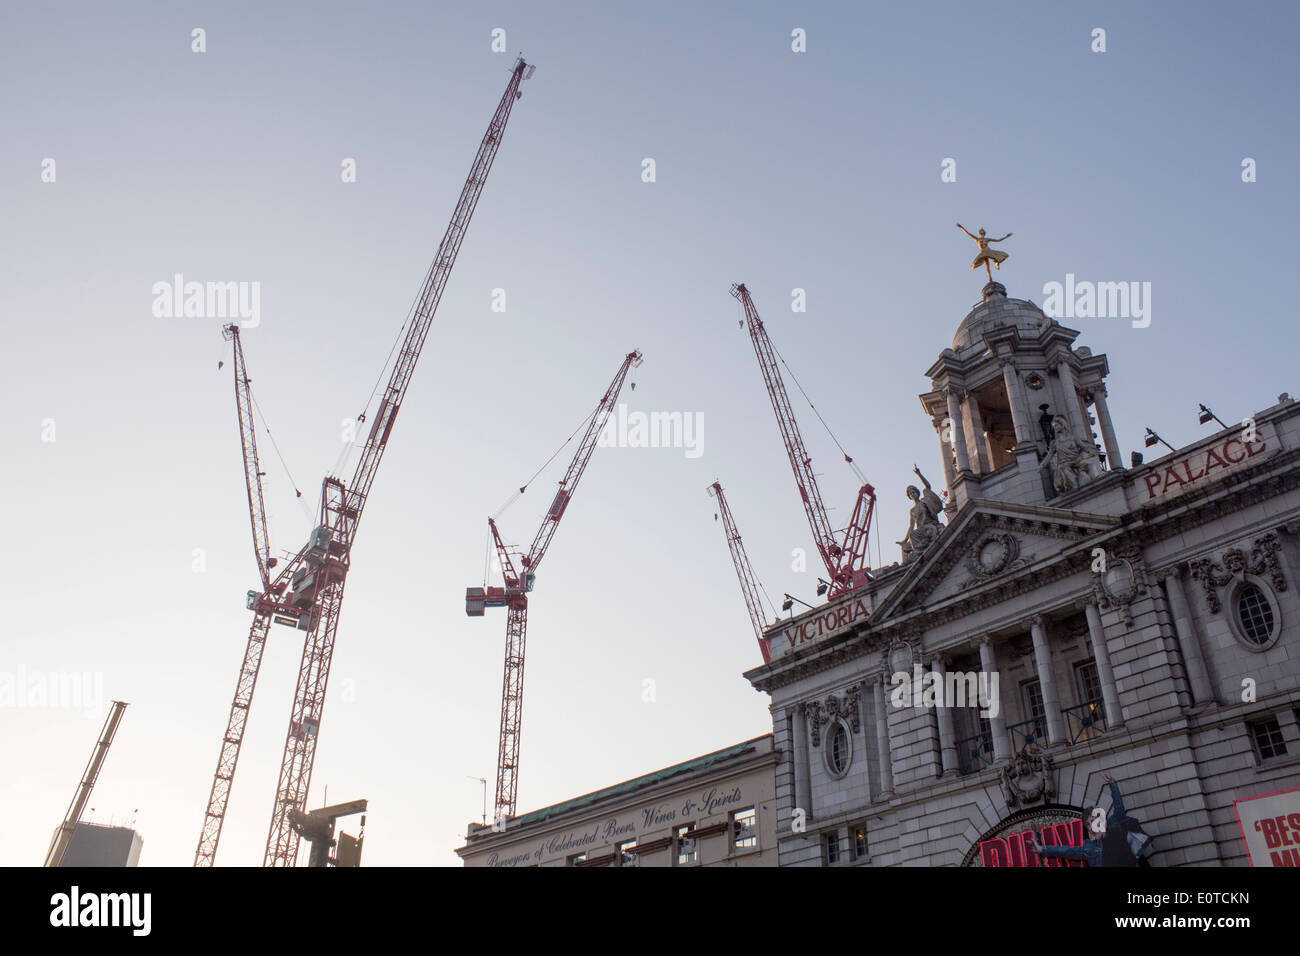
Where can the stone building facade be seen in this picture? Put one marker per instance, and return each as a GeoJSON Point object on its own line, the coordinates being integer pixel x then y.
{"type": "Point", "coordinates": [715, 810]}
{"type": "Point", "coordinates": [1142, 620]}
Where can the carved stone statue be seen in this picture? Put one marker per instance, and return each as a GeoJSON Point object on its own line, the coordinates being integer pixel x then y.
{"type": "Point", "coordinates": [1069, 461]}
{"type": "Point", "coordinates": [986, 255]}
{"type": "Point", "coordinates": [923, 526]}
{"type": "Point", "coordinates": [1028, 779]}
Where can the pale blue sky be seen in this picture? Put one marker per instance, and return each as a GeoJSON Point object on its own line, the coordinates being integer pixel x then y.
{"type": "Point", "coordinates": [817, 170]}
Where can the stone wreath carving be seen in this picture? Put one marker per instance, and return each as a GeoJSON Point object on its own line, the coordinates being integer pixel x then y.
{"type": "Point", "coordinates": [819, 713]}
{"type": "Point", "coordinates": [1028, 778]}
{"type": "Point", "coordinates": [992, 554]}
{"type": "Point", "coordinates": [1233, 563]}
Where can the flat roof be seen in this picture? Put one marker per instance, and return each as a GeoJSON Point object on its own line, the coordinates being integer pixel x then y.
{"type": "Point", "coordinates": [629, 786]}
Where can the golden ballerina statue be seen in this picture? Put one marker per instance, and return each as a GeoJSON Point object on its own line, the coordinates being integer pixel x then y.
{"type": "Point", "coordinates": [986, 255]}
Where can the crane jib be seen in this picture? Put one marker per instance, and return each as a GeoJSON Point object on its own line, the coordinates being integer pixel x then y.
{"type": "Point", "coordinates": [341, 512]}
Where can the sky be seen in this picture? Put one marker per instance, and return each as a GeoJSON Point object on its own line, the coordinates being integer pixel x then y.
{"type": "Point", "coordinates": [129, 547]}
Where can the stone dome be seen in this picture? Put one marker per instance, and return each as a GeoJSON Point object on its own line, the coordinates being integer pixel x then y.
{"type": "Point", "coordinates": [997, 311]}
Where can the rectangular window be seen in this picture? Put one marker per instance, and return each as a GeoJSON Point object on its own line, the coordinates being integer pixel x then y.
{"type": "Point", "coordinates": [744, 830]}
{"type": "Point", "coordinates": [1267, 737]}
{"type": "Point", "coordinates": [1032, 692]}
{"type": "Point", "coordinates": [858, 836]}
{"type": "Point", "coordinates": [831, 847]}
{"type": "Point", "coordinates": [626, 855]}
{"type": "Point", "coordinates": [576, 859]}
{"type": "Point", "coordinates": [1088, 681]}
{"type": "Point", "coordinates": [687, 851]}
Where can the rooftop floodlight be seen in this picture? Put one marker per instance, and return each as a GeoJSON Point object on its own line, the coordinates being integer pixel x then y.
{"type": "Point", "coordinates": [1151, 439]}
{"type": "Point", "coordinates": [822, 586]}
{"type": "Point", "coordinates": [790, 600]}
{"type": "Point", "coordinates": [1206, 416]}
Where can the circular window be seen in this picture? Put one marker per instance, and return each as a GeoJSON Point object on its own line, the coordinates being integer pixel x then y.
{"type": "Point", "coordinates": [839, 751]}
{"type": "Point", "coordinates": [1255, 616]}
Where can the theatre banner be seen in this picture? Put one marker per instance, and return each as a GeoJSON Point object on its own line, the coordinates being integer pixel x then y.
{"type": "Point", "coordinates": [1008, 843]}
{"type": "Point", "coordinates": [1270, 825]}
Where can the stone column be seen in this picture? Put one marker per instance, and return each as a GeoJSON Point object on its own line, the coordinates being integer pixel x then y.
{"type": "Point", "coordinates": [1020, 418]}
{"type": "Point", "coordinates": [861, 704]}
{"type": "Point", "coordinates": [958, 432]}
{"type": "Point", "coordinates": [882, 738]}
{"type": "Point", "coordinates": [1197, 673]}
{"type": "Point", "coordinates": [802, 789]}
{"type": "Point", "coordinates": [947, 734]}
{"type": "Point", "coordinates": [1115, 462]}
{"type": "Point", "coordinates": [1101, 654]}
{"type": "Point", "coordinates": [982, 459]}
{"type": "Point", "coordinates": [1073, 409]}
{"type": "Point", "coordinates": [1047, 681]}
{"type": "Point", "coordinates": [949, 472]}
{"type": "Point", "coordinates": [997, 718]}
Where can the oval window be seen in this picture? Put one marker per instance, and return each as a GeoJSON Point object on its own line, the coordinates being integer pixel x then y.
{"type": "Point", "coordinates": [1254, 614]}
{"type": "Point", "coordinates": [837, 750]}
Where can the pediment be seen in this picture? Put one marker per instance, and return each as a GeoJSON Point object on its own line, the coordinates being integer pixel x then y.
{"type": "Point", "coordinates": [988, 543]}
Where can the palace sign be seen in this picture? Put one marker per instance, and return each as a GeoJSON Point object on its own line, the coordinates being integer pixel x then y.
{"type": "Point", "coordinates": [1208, 463]}
{"type": "Point", "coordinates": [825, 623]}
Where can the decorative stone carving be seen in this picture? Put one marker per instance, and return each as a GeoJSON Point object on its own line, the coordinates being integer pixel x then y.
{"type": "Point", "coordinates": [1123, 581]}
{"type": "Point", "coordinates": [1070, 461]}
{"type": "Point", "coordinates": [1234, 563]}
{"type": "Point", "coordinates": [815, 716]}
{"type": "Point", "coordinates": [1029, 778]}
{"type": "Point", "coordinates": [994, 553]}
{"type": "Point", "coordinates": [845, 708]}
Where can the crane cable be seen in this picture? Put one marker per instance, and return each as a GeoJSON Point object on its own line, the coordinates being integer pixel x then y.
{"type": "Point", "coordinates": [524, 487]}
{"type": "Point", "coordinates": [283, 464]}
{"type": "Point", "coordinates": [847, 457]}
{"type": "Point", "coordinates": [410, 312]}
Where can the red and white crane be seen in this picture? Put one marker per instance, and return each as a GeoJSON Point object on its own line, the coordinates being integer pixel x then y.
{"type": "Point", "coordinates": [308, 592]}
{"type": "Point", "coordinates": [744, 571]}
{"type": "Point", "coordinates": [844, 559]}
{"type": "Point", "coordinates": [514, 595]}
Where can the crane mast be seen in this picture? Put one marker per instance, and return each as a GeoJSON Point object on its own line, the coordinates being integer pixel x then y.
{"type": "Point", "coordinates": [318, 572]}
{"type": "Point", "coordinates": [63, 839]}
{"type": "Point", "coordinates": [744, 570]}
{"type": "Point", "coordinates": [843, 562]}
{"type": "Point", "coordinates": [514, 596]}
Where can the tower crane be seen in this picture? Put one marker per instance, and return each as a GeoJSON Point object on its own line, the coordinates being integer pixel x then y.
{"type": "Point", "coordinates": [514, 595]}
{"type": "Point", "coordinates": [744, 571]}
{"type": "Point", "coordinates": [844, 560]}
{"type": "Point", "coordinates": [63, 838]}
{"type": "Point", "coordinates": [308, 592]}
